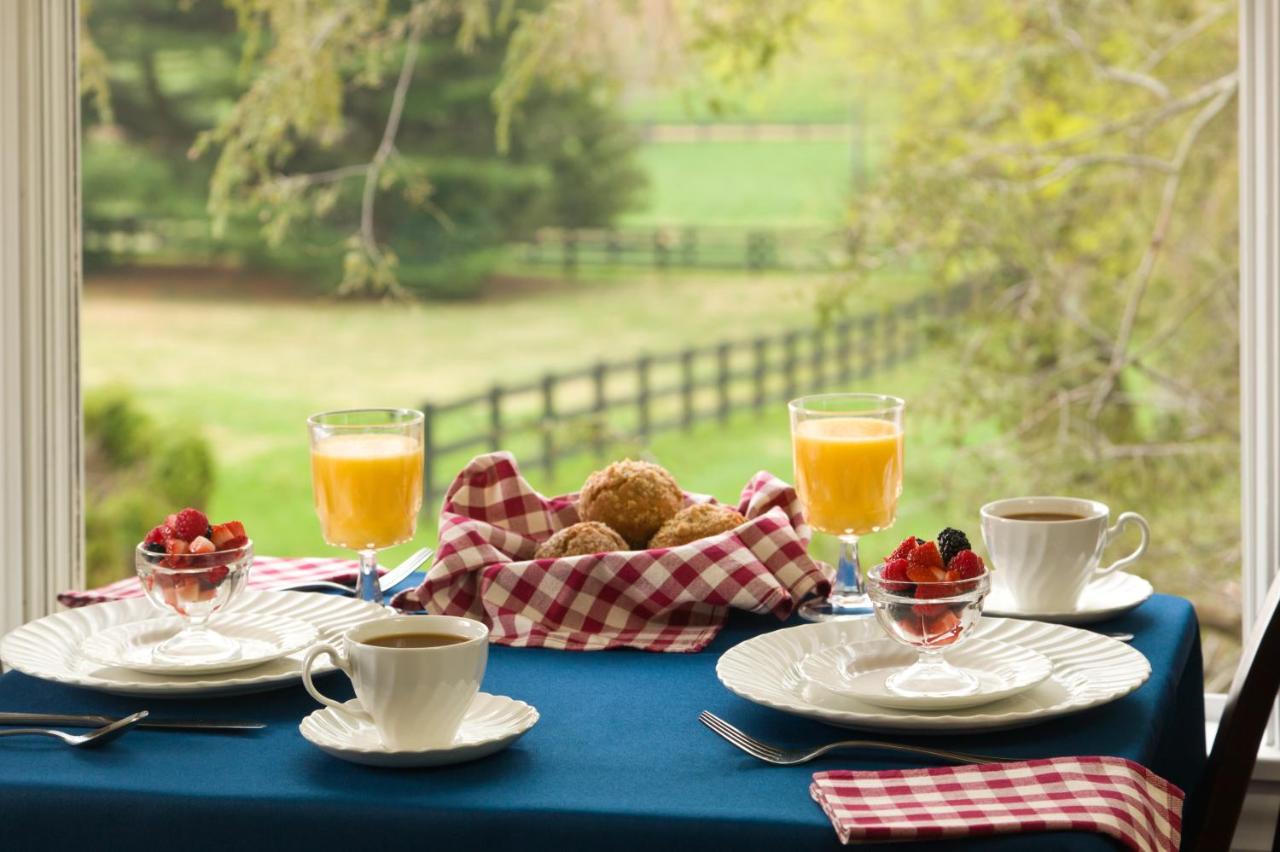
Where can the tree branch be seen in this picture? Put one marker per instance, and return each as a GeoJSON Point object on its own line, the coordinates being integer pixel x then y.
{"type": "Point", "coordinates": [1110, 72]}
{"type": "Point", "coordinates": [1142, 276]}
{"type": "Point", "coordinates": [1185, 35]}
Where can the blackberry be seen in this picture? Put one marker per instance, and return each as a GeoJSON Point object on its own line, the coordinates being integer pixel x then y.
{"type": "Point", "coordinates": [154, 546]}
{"type": "Point", "coordinates": [951, 542]}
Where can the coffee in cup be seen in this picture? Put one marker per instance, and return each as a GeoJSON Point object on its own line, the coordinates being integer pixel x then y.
{"type": "Point", "coordinates": [1045, 550]}
{"type": "Point", "coordinates": [415, 676]}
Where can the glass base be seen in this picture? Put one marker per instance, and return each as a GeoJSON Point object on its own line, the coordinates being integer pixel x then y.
{"type": "Point", "coordinates": [836, 608]}
{"type": "Point", "coordinates": [196, 645]}
{"type": "Point", "coordinates": [932, 679]}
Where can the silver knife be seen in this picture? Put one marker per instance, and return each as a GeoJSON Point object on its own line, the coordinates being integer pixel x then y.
{"type": "Point", "coordinates": [77, 721]}
{"type": "Point", "coordinates": [386, 582]}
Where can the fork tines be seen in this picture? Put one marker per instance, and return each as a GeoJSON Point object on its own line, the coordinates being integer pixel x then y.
{"type": "Point", "coordinates": [742, 740]}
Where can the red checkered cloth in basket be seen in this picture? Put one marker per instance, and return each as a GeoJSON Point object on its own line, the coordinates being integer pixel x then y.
{"type": "Point", "coordinates": [268, 572]}
{"type": "Point", "coordinates": [1109, 795]}
{"type": "Point", "coordinates": [672, 599]}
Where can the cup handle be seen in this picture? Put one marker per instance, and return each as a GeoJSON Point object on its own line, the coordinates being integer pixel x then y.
{"type": "Point", "coordinates": [329, 650]}
{"type": "Point", "coordinates": [1122, 521]}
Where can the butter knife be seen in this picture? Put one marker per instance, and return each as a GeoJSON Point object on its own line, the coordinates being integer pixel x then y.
{"type": "Point", "coordinates": [150, 722]}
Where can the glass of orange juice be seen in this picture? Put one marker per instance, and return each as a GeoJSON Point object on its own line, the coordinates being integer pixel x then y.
{"type": "Point", "coordinates": [366, 472]}
{"type": "Point", "coordinates": [847, 452]}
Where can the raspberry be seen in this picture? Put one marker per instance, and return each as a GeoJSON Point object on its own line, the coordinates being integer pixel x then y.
{"type": "Point", "coordinates": [926, 591]}
{"type": "Point", "coordinates": [966, 565]}
{"type": "Point", "coordinates": [895, 570]}
{"type": "Point", "coordinates": [951, 542]}
{"type": "Point", "coordinates": [190, 523]}
{"type": "Point", "coordinates": [926, 556]}
{"type": "Point", "coordinates": [909, 544]}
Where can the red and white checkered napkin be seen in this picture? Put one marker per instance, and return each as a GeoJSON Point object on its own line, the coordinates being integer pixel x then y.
{"type": "Point", "coordinates": [1110, 795]}
{"type": "Point", "coordinates": [268, 572]}
{"type": "Point", "coordinates": [672, 599]}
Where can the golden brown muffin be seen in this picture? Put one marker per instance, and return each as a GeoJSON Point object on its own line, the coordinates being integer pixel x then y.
{"type": "Point", "coordinates": [579, 539]}
{"type": "Point", "coordinates": [694, 522]}
{"type": "Point", "coordinates": [633, 497]}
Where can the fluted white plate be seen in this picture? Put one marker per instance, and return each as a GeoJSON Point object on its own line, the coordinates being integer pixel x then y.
{"type": "Point", "coordinates": [1106, 597]}
{"type": "Point", "coordinates": [259, 637]}
{"type": "Point", "coordinates": [49, 647]}
{"type": "Point", "coordinates": [492, 723]}
{"type": "Point", "coordinates": [859, 671]}
{"type": "Point", "coordinates": [1089, 670]}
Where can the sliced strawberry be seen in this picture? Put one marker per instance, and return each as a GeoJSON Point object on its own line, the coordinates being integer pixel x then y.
{"type": "Point", "coordinates": [929, 610]}
{"type": "Point", "coordinates": [926, 556]}
{"type": "Point", "coordinates": [908, 544]}
{"type": "Point", "coordinates": [237, 542]}
{"type": "Point", "coordinates": [928, 591]}
{"type": "Point", "coordinates": [200, 544]}
{"type": "Point", "coordinates": [236, 528]}
{"type": "Point", "coordinates": [217, 574]}
{"type": "Point", "coordinates": [924, 573]}
{"type": "Point", "coordinates": [176, 546]}
{"type": "Point", "coordinates": [895, 576]}
{"type": "Point", "coordinates": [912, 625]}
{"type": "Point", "coordinates": [942, 629]}
{"type": "Point", "coordinates": [221, 535]}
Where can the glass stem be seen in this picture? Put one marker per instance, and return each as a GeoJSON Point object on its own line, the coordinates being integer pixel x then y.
{"type": "Point", "coordinates": [367, 588]}
{"type": "Point", "coordinates": [848, 574]}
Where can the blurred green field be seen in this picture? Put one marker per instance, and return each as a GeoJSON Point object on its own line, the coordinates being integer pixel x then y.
{"type": "Point", "coordinates": [248, 368]}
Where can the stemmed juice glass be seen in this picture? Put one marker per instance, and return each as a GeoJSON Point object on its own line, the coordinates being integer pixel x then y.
{"type": "Point", "coordinates": [366, 471]}
{"type": "Point", "coordinates": [847, 452]}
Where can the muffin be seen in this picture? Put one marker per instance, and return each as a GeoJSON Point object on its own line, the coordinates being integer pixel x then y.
{"type": "Point", "coordinates": [694, 522]}
{"type": "Point", "coordinates": [579, 539]}
{"type": "Point", "coordinates": [633, 497]}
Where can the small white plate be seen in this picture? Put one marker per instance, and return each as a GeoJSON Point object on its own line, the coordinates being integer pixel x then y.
{"type": "Point", "coordinates": [261, 638]}
{"type": "Point", "coordinates": [858, 670]}
{"type": "Point", "coordinates": [492, 723]}
{"type": "Point", "coordinates": [1104, 598]}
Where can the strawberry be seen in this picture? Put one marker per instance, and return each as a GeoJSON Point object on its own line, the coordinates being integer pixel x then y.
{"type": "Point", "coordinates": [927, 591]}
{"type": "Point", "coordinates": [966, 565]}
{"type": "Point", "coordinates": [176, 547]}
{"type": "Point", "coordinates": [236, 529]}
{"type": "Point", "coordinates": [942, 629]}
{"type": "Point", "coordinates": [200, 544]}
{"type": "Point", "coordinates": [190, 523]}
{"type": "Point", "coordinates": [217, 574]}
{"type": "Point", "coordinates": [895, 570]}
{"type": "Point", "coordinates": [929, 610]}
{"type": "Point", "coordinates": [924, 573]}
{"type": "Point", "coordinates": [926, 556]}
{"type": "Point", "coordinates": [235, 543]}
{"type": "Point", "coordinates": [220, 535]}
{"type": "Point", "coordinates": [909, 544]}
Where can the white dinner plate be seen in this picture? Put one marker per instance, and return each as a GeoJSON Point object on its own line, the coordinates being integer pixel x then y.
{"type": "Point", "coordinates": [492, 723]}
{"type": "Point", "coordinates": [1089, 669]}
{"type": "Point", "coordinates": [859, 670]}
{"type": "Point", "coordinates": [49, 647]}
{"type": "Point", "coordinates": [259, 638]}
{"type": "Point", "coordinates": [1104, 598]}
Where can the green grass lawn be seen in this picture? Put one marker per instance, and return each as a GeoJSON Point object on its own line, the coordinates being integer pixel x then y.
{"type": "Point", "coordinates": [784, 183]}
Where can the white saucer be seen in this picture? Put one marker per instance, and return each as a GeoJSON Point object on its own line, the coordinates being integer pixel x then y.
{"type": "Point", "coordinates": [261, 638]}
{"type": "Point", "coordinates": [1104, 598]}
{"type": "Point", "coordinates": [492, 723]}
{"type": "Point", "coordinates": [858, 670]}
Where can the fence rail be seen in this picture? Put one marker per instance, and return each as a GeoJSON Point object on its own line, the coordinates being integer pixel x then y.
{"type": "Point", "coordinates": [685, 247]}
{"type": "Point", "coordinates": [571, 412]}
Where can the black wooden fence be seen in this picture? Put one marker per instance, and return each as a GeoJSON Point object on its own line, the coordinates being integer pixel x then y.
{"type": "Point", "coordinates": [684, 247]}
{"type": "Point", "coordinates": [590, 409]}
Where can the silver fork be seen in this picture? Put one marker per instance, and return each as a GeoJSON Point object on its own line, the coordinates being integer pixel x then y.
{"type": "Point", "coordinates": [791, 757]}
{"type": "Point", "coordinates": [93, 739]}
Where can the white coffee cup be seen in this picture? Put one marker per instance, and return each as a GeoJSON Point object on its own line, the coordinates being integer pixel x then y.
{"type": "Point", "coordinates": [1046, 564]}
{"type": "Point", "coordinates": [415, 697]}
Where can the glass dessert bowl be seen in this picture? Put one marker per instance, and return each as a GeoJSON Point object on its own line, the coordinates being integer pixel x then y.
{"type": "Point", "coordinates": [929, 616]}
{"type": "Point", "coordinates": [194, 586]}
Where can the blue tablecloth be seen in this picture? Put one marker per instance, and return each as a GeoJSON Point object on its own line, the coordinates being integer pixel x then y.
{"type": "Point", "coordinates": [618, 761]}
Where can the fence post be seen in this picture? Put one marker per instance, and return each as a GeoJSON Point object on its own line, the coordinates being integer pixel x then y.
{"type": "Point", "coordinates": [722, 381]}
{"type": "Point", "coordinates": [548, 424]}
{"type": "Point", "coordinates": [689, 247]}
{"type": "Point", "coordinates": [686, 389]}
{"type": "Point", "coordinates": [843, 351]}
{"type": "Point", "coordinates": [759, 344]}
{"type": "Point", "coordinates": [661, 253]}
{"type": "Point", "coordinates": [818, 357]}
{"type": "Point", "coordinates": [428, 457]}
{"type": "Point", "coordinates": [613, 246]}
{"type": "Point", "coordinates": [790, 362]}
{"type": "Point", "coordinates": [598, 433]}
{"type": "Point", "coordinates": [495, 418]}
{"type": "Point", "coordinates": [869, 324]}
{"type": "Point", "coordinates": [642, 397]}
{"type": "Point", "coordinates": [569, 249]}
